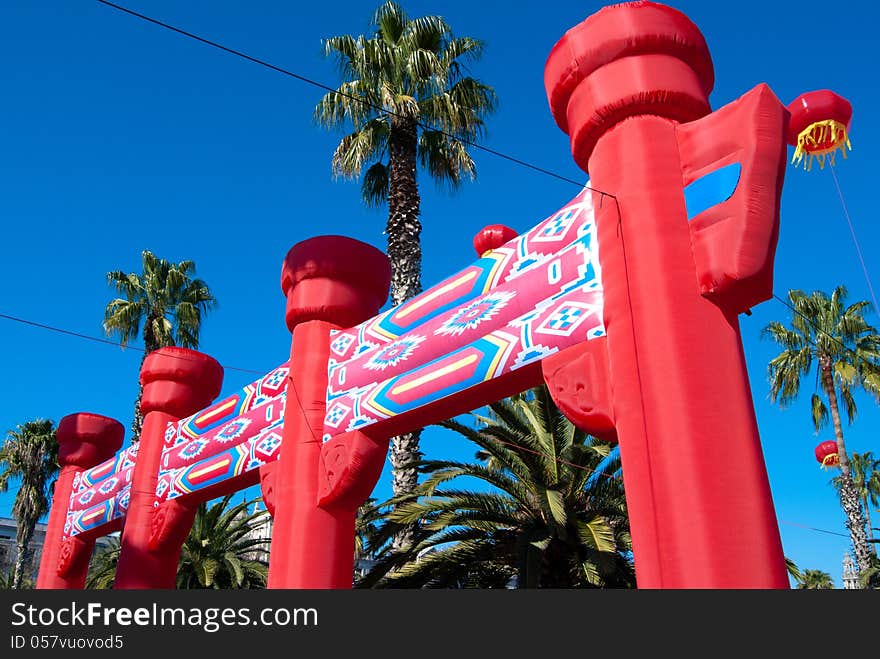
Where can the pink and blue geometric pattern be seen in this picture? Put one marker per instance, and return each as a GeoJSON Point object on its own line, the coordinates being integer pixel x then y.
{"type": "Point", "coordinates": [475, 313]}
{"type": "Point", "coordinates": [101, 494]}
{"type": "Point", "coordinates": [392, 354]}
{"type": "Point", "coordinates": [537, 294]}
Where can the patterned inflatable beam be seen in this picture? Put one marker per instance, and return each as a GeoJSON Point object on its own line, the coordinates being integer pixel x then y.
{"type": "Point", "coordinates": [524, 301]}
{"type": "Point", "coordinates": [228, 439]}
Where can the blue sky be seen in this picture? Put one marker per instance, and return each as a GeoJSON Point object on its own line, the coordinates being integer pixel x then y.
{"type": "Point", "coordinates": [118, 136]}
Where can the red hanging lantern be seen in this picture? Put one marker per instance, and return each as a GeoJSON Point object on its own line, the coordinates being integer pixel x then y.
{"type": "Point", "coordinates": [819, 127]}
{"type": "Point", "coordinates": [826, 454]}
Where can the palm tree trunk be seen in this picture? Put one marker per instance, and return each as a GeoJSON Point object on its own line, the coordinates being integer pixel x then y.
{"type": "Point", "coordinates": [867, 508]}
{"type": "Point", "coordinates": [555, 567]}
{"type": "Point", "coordinates": [850, 500]}
{"type": "Point", "coordinates": [403, 233]}
{"type": "Point", "coordinates": [150, 344]}
{"type": "Point", "coordinates": [24, 533]}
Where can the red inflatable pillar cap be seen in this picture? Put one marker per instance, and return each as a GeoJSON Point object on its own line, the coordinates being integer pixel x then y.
{"type": "Point", "coordinates": [635, 58]}
{"type": "Point", "coordinates": [179, 381]}
{"type": "Point", "coordinates": [335, 279]}
{"type": "Point", "coordinates": [86, 440]}
{"type": "Point", "coordinates": [492, 237]}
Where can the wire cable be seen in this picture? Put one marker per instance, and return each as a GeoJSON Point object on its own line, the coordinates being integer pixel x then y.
{"type": "Point", "coordinates": [96, 339]}
{"type": "Point", "coordinates": [855, 239]}
{"type": "Point", "coordinates": [358, 99]}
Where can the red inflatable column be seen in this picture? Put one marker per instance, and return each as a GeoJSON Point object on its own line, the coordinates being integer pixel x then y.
{"type": "Point", "coordinates": [177, 383]}
{"type": "Point", "coordinates": [84, 441]}
{"type": "Point", "coordinates": [330, 282]}
{"type": "Point", "coordinates": [697, 490]}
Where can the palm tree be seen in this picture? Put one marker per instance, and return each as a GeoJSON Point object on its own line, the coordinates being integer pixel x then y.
{"type": "Point", "coordinates": [815, 580]}
{"type": "Point", "coordinates": [846, 350]}
{"type": "Point", "coordinates": [225, 549]}
{"type": "Point", "coordinates": [410, 103]}
{"type": "Point", "coordinates": [30, 455]}
{"type": "Point", "coordinates": [866, 479]}
{"type": "Point", "coordinates": [167, 300]}
{"type": "Point", "coordinates": [553, 515]}
{"type": "Point", "coordinates": [102, 567]}
{"type": "Point", "coordinates": [870, 578]}
{"type": "Point", "coordinates": [7, 578]}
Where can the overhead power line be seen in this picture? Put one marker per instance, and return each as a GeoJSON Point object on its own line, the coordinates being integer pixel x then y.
{"type": "Point", "coordinates": [96, 339]}
{"type": "Point", "coordinates": [855, 239]}
{"type": "Point", "coordinates": [327, 88]}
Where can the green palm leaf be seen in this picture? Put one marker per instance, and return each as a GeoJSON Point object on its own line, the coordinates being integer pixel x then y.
{"type": "Point", "coordinates": [543, 519]}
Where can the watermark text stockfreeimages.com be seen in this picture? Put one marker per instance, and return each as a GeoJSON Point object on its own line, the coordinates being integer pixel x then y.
{"type": "Point", "coordinates": [98, 616]}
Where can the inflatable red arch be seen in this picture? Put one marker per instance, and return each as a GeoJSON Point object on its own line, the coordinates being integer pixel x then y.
{"type": "Point", "coordinates": [625, 302]}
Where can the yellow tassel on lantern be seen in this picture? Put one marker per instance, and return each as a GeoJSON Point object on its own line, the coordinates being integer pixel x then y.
{"type": "Point", "coordinates": [830, 460]}
{"type": "Point", "coordinates": [820, 140]}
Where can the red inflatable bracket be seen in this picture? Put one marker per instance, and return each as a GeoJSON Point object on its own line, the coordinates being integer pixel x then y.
{"type": "Point", "coordinates": [170, 526]}
{"type": "Point", "coordinates": [351, 466]}
{"type": "Point", "coordinates": [267, 485]}
{"type": "Point", "coordinates": [580, 384]}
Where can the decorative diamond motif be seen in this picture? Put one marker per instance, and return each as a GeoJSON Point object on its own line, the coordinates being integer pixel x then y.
{"type": "Point", "coordinates": [565, 319]}
{"type": "Point", "coordinates": [124, 499]}
{"type": "Point", "coordinates": [268, 444]}
{"type": "Point", "coordinates": [108, 485]}
{"type": "Point", "coordinates": [336, 414]}
{"type": "Point", "coordinates": [192, 449]}
{"type": "Point", "coordinates": [232, 430]}
{"type": "Point", "coordinates": [475, 313]}
{"type": "Point", "coordinates": [556, 226]}
{"type": "Point", "coordinates": [275, 379]}
{"type": "Point", "coordinates": [394, 353]}
{"type": "Point", "coordinates": [86, 496]}
{"type": "Point", "coordinates": [341, 344]}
